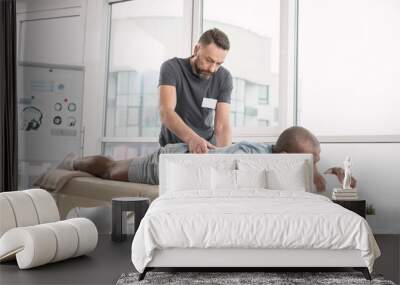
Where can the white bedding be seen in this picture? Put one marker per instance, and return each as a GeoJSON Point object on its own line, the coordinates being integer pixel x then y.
{"type": "Point", "coordinates": [251, 218]}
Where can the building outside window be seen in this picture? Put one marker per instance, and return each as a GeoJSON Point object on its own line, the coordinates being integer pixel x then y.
{"type": "Point", "coordinates": [253, 60]}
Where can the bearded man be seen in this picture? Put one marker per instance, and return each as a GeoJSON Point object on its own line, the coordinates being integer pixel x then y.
{"type": "Point", "coordinates": [195, 96]}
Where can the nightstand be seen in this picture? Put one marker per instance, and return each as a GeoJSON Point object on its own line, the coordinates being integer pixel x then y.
{"type": "Point", "coordinates": [138, 205]}
{"type": "Point", "coordinates": [357, 206]}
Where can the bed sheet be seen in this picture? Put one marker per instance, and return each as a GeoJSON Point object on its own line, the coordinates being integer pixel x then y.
{"type": "Point", "coordinates": [250, 218]}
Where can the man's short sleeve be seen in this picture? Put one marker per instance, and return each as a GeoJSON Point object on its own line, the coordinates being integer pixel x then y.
{"type": "Point", "coordinates": [226, 89]}
{"type": "Point", "coordinates": [167, 74]}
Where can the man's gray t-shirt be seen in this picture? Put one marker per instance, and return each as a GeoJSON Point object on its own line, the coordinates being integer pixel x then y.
{"type": "Point", "coordinates": [190, 91]}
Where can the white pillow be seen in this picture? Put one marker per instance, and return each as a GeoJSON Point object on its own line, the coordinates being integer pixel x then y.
{"type": "Point", "coordinates": [183, 177]}
{"type": "Point", "coordinates": [228, 179]}
{"type": "Point", "coordinates": [251, 178]}
{"type": "Point", "coordinates": [224, 179]}
{"type": "Point", "coordinates": [288, 176]}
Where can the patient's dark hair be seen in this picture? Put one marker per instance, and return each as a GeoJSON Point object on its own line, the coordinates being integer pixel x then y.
{"type": "Point", "coordinates": [216, 36]}
{"type": "Point", "coordinates": [293, 139]}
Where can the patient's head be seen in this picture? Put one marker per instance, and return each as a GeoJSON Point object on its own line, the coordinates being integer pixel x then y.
{"type": "Point", "coordinates": [298, 140]}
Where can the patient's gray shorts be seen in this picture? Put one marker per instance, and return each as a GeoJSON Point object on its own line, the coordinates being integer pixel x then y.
{"type": "Point", "coordinates": [145, 169]}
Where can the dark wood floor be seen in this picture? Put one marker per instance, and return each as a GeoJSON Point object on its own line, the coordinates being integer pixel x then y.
{"type": "Point", "coordinates": [389, 262]}
{"type": "Point", "coordinates": [110, 260]}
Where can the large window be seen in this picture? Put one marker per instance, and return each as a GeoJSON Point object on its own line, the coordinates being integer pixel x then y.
{"type": "Point", "coordinates": [254, 60]}
{"type": "Point", "coordinates": [349, 67]}
{"type": "Point", "coordinates": [143, 34]}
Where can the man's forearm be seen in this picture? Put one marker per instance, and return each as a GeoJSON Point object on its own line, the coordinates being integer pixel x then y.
{"type": "Point", "coordinates": [176, 125]}
{"type": "Point", "coordinates": [223, 136]}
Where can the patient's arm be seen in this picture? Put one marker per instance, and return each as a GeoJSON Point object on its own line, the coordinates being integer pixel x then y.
{"type": "Point", "coordinates": [339, 173]}
{"type": "Point", "coordinates": [319, 180]}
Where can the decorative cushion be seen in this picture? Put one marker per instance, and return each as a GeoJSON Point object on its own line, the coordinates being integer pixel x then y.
{"type": "Point", "coordinates": [7, 218]}
{"type": "Point", "coordinates": [223, 179]}
{"type": "Point", "coordinates": [228, 179]}
{"type": "Point", "coordinates": [40, 244]}
{"type": "Point", "coordinates": [44, 204]}
{"type": "Point", "coordinates": [23, 209]}
{"type": "Point", "coordinates": [288, 177]}
{"type": "Point", "coordinates": [251, 178]}
{"type": "Point", "coordinates": [188, 177]}
{"type": "Point", "coordinates": [31, 232]}
{"type": "Point", "coordinates": [26, 208]}
{"type": "Point", "coordinates": [280, 174]}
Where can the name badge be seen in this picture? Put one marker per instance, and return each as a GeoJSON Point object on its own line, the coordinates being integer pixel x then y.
{"type": "Point", "coordinates": [209, 103]}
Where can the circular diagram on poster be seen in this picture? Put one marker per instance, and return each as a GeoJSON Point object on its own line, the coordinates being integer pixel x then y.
{"type": "Point", "coordinates": [57, 106]}
{"type": "Point", "coordinates": [57, 120]}
{"type": "Point", "coordinates": [71, 107]}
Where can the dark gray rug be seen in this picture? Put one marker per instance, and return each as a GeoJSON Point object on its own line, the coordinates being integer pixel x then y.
{"type": "Point", "coordinates": [269, 278]}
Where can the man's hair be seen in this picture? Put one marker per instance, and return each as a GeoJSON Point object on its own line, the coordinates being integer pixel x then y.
{"type": "Point", "coordinates": [216, 36]}
{"type": "Point", "coordinates": [293, 139]}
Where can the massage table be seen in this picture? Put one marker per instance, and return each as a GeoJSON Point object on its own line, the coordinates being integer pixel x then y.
{"type": "Point", "coordinates": [72, 189]}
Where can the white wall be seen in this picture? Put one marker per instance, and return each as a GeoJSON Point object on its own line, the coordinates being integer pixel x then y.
{"type": "Point", "coordinates": [50, 32]}
{"type": "Point", "coordinates": [377, 170]}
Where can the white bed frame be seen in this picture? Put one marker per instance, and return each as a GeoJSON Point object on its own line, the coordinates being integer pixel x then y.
{"type": "Point", "coordinates": [249, 258]}
{"type": "Point", "coordinates": [234, 257]}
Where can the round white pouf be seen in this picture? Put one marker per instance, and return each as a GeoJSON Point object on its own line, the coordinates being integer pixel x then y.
{"type": "Point", "coordinates": [26, 208]}
{"type": "Point", "coordinates": [40, 244]}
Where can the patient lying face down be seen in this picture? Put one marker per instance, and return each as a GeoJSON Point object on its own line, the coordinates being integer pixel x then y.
{"type": "Point", "coordinates": [145, 169]}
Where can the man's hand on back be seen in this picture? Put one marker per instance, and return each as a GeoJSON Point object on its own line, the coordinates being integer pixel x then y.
{"type": "Point", "coordinates": [199, 145]}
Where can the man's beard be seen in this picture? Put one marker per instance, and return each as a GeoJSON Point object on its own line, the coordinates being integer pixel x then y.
{"type": "Point", "coordinates": [203, 74]}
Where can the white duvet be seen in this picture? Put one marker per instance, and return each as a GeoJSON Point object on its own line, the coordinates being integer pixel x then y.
{"type": "Point", "coordinates": [250, 219]}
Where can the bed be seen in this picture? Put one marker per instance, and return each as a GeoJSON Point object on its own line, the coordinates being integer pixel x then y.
{"type": "Point", "coordinates": [247, 211]}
